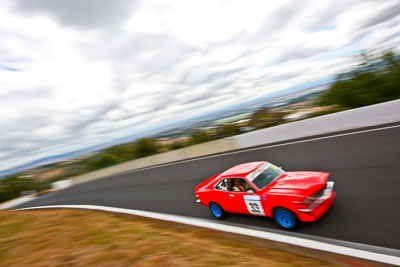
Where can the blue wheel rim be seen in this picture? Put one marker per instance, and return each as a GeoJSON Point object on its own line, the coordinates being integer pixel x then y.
{"type": "Point", "coordinates": [285, 218]}
{"type": "Point", "coordinates": [215, 210]}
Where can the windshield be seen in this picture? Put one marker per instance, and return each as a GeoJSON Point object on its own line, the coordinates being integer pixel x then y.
{"type": "Point", "coordinates": [267, 176]}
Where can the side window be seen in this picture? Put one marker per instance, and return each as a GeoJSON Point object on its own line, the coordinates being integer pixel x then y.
{"type": "Point", "coordinates": [222, 185]}
{"type": "Point", "coordinates": [240, 185]}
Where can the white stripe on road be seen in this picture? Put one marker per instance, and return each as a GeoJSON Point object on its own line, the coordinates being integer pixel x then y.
{"type": "Point", "coordinates": [259, 148]}
{"type": "Point", "coordinates": [372, 256]}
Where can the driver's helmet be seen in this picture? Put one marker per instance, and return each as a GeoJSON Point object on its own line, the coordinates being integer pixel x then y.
{"type": "Point", "coordinates": [236, 181]}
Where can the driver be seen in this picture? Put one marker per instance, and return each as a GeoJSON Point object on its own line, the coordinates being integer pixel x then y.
{"type": "Point", "coordinates": [238, 186]}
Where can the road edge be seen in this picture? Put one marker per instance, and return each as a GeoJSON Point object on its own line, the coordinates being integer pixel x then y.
{"type": "Point", "coordinates": [296, 241]}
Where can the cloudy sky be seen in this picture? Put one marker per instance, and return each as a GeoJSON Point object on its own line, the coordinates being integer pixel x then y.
{"type": "Point", "coordinates": [77, 73]}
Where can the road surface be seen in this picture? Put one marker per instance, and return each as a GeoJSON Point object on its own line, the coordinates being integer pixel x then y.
{"type": "Point", "coordinates": [365, 167]}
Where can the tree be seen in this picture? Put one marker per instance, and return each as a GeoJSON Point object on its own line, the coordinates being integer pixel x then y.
{"type": "Point", "coordinates": [12, 186]}
{"type": "Point", "coordinates": [266, 117]}
{"type": "Point", "coordinates": [100, 161]}
{"type": "Point", "coordinates": [200, 137]}
{"type": "Point", "coordinates": [228, 130]}
{"type": "Point", "coordinates": [375, 80]}
{"type": "Point", "coordinates": [122, 152]}
{"type": "Point", "coordinates": [145, 147]}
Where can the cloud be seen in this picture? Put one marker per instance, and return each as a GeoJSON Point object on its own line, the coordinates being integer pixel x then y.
{"type": "Point", "coordinates": [95, 71]}
{"type": "Point", "coordinates": [95, 115]}
{"type": "Point", "coordinates": [385, 14]}
{"type": "Point", "coordinates": [81, 14]}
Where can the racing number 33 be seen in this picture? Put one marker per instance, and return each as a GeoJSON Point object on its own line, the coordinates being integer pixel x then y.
{"type": "Point", "coordinates": [253, 205]}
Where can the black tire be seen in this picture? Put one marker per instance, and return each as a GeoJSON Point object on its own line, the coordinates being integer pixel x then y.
{"type": "Point", "coordinates": [217, 211]}
{"type": "Point", "coordinates": [285, 218]}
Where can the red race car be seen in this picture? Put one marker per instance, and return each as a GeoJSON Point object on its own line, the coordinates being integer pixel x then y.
{"type": "Point", "coordinates": [261, 188]}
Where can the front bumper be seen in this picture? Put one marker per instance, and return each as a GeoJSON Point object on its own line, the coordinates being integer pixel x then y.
{"type": "Point", "coordinates": [319, 206]}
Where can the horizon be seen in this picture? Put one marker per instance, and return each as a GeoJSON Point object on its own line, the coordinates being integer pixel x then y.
{"type": "Point", "coordinates": [75, 75]}
{"type": "Point", "coordinates": [41, 162]}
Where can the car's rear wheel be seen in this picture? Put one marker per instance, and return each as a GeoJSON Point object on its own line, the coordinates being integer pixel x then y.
{"type": "Point", "coordinates": [285, 218]}
{"type": "Point", "coordinates": [217, 211]}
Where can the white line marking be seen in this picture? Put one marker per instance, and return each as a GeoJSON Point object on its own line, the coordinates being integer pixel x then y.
{"type": "Point", "coordinates": [259, 148]}
{"type": "Point", "coordinates": [357, 253]}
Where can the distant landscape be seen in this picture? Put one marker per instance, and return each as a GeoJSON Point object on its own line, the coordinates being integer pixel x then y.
{"type": "Point", "coordinates": [376, 80]}
{"type": "Point", "coordinates": [290, 95]}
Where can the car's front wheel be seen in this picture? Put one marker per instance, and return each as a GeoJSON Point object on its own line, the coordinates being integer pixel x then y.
{"type": "Point", "coordinates": [285, 218]}
{"type": "Point", "coordinates": [217, 211]}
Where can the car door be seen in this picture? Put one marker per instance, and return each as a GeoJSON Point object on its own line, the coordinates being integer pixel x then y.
{"type": "Point", "coordinates": [254, 205]}
{"type": "Point", "coordinates": [222, 195]}
{"type": "Point", "coordinates": [244, 202]}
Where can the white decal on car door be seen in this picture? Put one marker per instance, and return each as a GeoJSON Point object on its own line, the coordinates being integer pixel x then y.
{"type": "Point", "coordinates": [253, 205]}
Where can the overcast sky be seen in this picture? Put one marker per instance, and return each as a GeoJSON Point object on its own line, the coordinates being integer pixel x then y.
{"type": "Point", "coordinates": [75, 73]}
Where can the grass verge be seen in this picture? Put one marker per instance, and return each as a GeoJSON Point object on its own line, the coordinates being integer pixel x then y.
{"type": "Point", "coordinates": [94, 238]}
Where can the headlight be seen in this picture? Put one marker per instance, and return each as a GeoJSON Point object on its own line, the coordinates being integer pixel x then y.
{"type": "Point", "coordinates": [308, 200]}
{"type": "Point", "coordinates": [316, 196]}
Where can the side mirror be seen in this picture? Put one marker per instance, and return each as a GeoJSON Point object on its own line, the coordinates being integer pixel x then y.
{"type": "Point", "coordinates": [250, 191]}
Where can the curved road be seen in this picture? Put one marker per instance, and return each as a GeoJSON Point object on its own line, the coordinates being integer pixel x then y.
{"type": "Point", "coordinates": [365, 167]}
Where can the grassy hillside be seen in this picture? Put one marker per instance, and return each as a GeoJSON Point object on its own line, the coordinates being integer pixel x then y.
{"type": "Point", "coordinates": [93, 238]}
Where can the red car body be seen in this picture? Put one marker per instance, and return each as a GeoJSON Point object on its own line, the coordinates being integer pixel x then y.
{"type": "Point", "coordinates": [308, 195]}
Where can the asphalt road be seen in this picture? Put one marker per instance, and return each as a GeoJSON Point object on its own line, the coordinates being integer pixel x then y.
{"type": "Point", "coordinates": [364, 166]}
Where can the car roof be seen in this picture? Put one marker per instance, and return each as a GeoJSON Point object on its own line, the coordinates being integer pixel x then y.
{"type": "Point", "coordinates": [242, 170]}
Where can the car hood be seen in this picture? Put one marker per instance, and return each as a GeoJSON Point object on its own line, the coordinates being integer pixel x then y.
{"type": "Point", "coordinates": [299, 183]}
